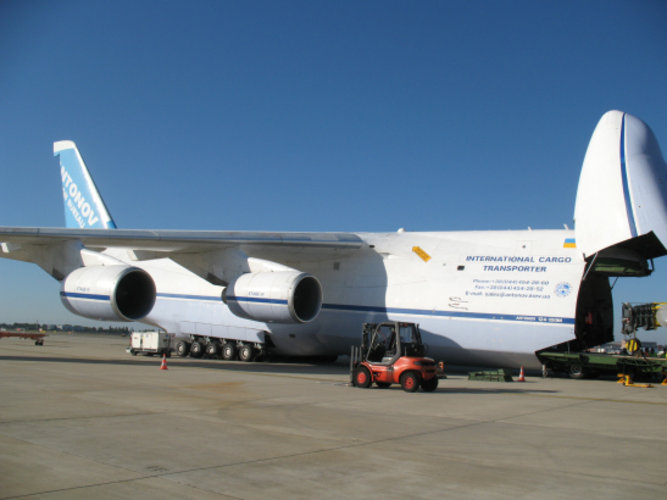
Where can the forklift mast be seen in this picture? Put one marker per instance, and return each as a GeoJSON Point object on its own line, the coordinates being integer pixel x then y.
{"type": "Point", "coordinates": [381, 341]}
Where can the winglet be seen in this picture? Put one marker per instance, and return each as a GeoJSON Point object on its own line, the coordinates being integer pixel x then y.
{"type": "Point", "coordinates": [84, 207]}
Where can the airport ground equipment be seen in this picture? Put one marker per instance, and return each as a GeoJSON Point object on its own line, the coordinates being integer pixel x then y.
{"type": "Point", "coordinates": [647, 316]}
{"type": "Point", "coordinates": [633, 364]}
{"type": "Point", "coordinates": [150, 343]}
{"type": "Point", "coordinates": [627, 381]}
{"type": "Point", "coordinates": [584, 364]}
{"type": "Point", "coordinates": [37, 337]}
{"type": "Point", "coordinates": [392, 353]}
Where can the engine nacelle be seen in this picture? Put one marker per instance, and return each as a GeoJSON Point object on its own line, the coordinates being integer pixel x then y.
{"type": "Point", "coordinates": [111, 293]}
{"type": "Point", "coordinates": [280, 297]}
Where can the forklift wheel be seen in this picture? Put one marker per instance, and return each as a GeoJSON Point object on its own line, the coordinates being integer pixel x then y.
{"type": "Point", "coordinates": [409, 382]}
{"type": "Point", "coordinates": [362, 378]}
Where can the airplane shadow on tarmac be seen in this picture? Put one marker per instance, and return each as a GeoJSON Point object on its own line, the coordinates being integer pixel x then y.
{"type": "Point", "coordinates": [493, 390]}
{"type": "Point", "coordinates": [299, 368]}
{"type": "Point", "coordinates": [212, 364]}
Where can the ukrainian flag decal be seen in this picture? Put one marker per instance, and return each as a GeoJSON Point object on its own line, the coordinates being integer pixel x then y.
{"type": "Point", "coordinates": [570, 243]}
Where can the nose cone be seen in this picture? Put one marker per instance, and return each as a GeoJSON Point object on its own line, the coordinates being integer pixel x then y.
{"type": "Point", "coordinates": [622, 193]}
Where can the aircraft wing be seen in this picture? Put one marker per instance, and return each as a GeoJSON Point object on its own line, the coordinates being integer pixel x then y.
{"type": "Point", "coordinates": [199, 251]}
{"type": "Point", "coordinates": [164, 240]}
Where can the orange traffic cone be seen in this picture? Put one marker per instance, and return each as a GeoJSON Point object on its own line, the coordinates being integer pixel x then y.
{"type": "Point", "coordinates": [522, 377]}
{"type": "Point", "coordinates": [163, 366]}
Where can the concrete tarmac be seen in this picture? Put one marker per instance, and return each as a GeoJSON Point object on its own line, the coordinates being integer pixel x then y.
{"type": "Point", "coordinates": [81, 418]}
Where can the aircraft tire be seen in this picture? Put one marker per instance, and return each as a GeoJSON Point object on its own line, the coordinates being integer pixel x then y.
{"type": "Point", "coordinates": [362, 377]}
{"type": "Point", "coordinates": [229, 352]}
{"type": "Point", "coordinates": [430, 385]}
{"type": "Point", "coordinates": [211, 349]}
{"type": "Point", "coordinates": [196, 349]}
{"type": "Point", "coordinates": [182, 348]}
{"type": "Point", "coordinates": [246, 353]}
{"type": "Point", "coordinates": [409, 381]}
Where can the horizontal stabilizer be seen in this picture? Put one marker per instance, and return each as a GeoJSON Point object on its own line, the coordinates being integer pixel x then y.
{"type": "Point", "coordinates": [622, 193]}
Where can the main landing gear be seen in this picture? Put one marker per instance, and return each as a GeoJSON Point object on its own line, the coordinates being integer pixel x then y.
{"type": "Point", "coordinates": [213, 348]}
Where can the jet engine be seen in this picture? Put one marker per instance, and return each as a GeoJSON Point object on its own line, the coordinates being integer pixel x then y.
{"type": "Point", "coordinates": [280, 297]}
{"type": "Point", "coordinates": [111, 293]}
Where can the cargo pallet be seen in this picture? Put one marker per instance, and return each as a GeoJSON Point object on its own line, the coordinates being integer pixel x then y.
{"type": "Point", "coordinates": [501, 375]}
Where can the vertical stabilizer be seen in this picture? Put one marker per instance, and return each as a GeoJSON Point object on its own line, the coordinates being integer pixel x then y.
{"type": "Point", "coordinates": [622, 194]}
{"type": "Point", "coordinates": [84, 207]}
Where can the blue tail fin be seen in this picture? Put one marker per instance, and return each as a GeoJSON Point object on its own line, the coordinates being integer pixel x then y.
{"type": "Point", "coordinates": [84, 207]}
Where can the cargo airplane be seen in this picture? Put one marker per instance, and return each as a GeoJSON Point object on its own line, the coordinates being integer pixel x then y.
{"type": "Point", "coordinates": [490, 298]}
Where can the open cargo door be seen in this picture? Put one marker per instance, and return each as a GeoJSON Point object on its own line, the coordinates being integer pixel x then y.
{"type": "Point", "coordinates": [620, 219]}
{"type": "Point", "coordinates": [621, 208]}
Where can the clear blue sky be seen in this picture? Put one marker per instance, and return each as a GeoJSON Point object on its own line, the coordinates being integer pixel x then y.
{"type": "Point", "coordinates": [301, 115]}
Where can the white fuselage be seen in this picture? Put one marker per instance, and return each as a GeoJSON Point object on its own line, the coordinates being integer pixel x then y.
{"type": "Point", "coordinates": [491, 298]}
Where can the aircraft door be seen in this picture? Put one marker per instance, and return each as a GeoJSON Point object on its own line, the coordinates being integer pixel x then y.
{"type": "Point", "coordinates": [594, 321]}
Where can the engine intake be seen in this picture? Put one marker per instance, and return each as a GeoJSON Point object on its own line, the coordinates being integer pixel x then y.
{"type": "Point", "coordinates": [280, 297]}
{"type": "Point", "coordinates": [110, 293]}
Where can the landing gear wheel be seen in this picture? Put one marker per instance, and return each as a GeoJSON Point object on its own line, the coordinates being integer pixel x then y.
{"type": "Point", "coordinates": [409, 382]}
{"type": "Point", "coordinates": [228, 352]}
{"type": "Point", "coordinates": [196, 349]}
{"type": "Point", "coordinates": [211, 349]}
{"type": "Point", "coordinates": [430, 385]}
{"type": "Point", "coordinates": [182, 349]}
{"type": "Point", "coordinates": [362, 377]}
{"type": "Point", "coordinates": [245, 352]}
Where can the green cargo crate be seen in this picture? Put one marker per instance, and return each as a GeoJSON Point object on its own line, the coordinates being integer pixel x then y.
{"type": "Point", "coordinates": [501, 375]}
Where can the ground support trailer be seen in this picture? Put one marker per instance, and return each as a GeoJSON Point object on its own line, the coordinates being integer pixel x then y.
{"type": "Point", "coordinates": [584, 364]}
{"type": "Point", "coordinates": [150, 343]}
{"type": "Point", "coordinates": [37, 337]}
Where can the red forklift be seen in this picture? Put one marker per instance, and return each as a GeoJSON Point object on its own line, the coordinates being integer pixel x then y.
{"type": "Point", "coordinates": [392, 353]}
